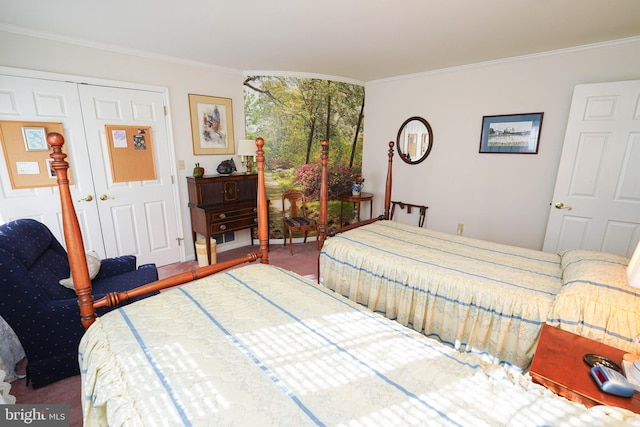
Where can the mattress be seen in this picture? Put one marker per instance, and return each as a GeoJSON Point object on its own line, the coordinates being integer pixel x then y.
{"type": "Point", "coordinates": [474, 295]}
{"type": "Point", "coordinates": [262, 346]}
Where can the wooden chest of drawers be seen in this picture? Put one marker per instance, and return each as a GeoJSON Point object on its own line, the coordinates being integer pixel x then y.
{"type": "Point", "coordinates": [222, 203]}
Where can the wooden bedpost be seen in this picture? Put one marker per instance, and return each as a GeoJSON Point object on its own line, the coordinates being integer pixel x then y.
{"type": "Point", "coordinates": [263, 216]}
{"type": "Point", "coordinates": [324, 193]}
{"type": "Point", "coordinates": [77, 258]}
{"type": "Point", "coordinates": [113, 299]}
{"type": "Point", "coordinates": [387, 190]}
{"type": "Point", "coordinates": [72, 234]}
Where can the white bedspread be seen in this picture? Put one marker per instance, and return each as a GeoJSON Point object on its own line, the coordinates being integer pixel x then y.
{"type": "Point", "coordinates": [596, 300]}
{"type": "Point", "coordinates": [5, 389]}
{"type": "Point", "coordinates": [472, 294]}
{"type": "Point", "coordinates": [11, 351]}
{"type": "Point", "coordinates": [259, 346]}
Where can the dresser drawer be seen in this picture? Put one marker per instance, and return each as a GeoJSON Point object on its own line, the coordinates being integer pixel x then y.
{"type": "Point", "coordinates": [218, 215]}
{"type": "Point", "coordinates": [233, 219]}
{"type": "Point", "coordinates": [232, 224]}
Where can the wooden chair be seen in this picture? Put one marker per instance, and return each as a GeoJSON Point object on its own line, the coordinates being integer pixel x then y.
{"type": "Point", "coordinates": [294, 217]}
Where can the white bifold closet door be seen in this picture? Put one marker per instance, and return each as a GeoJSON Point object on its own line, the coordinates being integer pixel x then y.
{"type": "Point", "coordinates": [116, 218]}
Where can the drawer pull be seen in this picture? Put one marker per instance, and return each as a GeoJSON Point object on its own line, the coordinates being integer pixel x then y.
{"type": "Point", "coordinates": [222, 216]}
{"type": "Point", "coordinates": [255, 220]}
{"type": "Point", "coordinates": [223, 227]}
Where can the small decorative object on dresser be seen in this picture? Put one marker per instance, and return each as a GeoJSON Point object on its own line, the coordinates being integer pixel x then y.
{"type": "Point", "coordinates": [227, 167]}
{"type": "Point", "coordinates": [198, 172]}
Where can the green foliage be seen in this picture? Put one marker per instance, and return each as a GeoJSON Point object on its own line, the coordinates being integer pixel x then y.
{"type": "Point", "coordinates": [279, 163]}
{"type": "Point", "coordinates": [339, 179]}
{"type": "Point", "coordinates": [294, 115]}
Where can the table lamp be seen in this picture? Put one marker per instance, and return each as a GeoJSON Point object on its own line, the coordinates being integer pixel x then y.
{"type": "Point", "coordinates": [247, 151]}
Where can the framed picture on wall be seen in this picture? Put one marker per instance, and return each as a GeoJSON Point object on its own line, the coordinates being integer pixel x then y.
{"type": "Point", "coordinates": [511, 133]}
{"type": "Point", "coordinates": [35, 138]}
{"type": "Point", "coordinates": [211, 124]}
{"type": "Point", "coordinates": [50, 170]}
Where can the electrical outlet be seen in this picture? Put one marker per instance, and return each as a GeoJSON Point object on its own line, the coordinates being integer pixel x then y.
{"type": "Point", "coordinates": [460, 229]}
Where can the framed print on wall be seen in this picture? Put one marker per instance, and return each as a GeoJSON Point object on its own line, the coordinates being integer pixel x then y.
{"type": "Point", "coordinates": [211, 124]}
{"type": "Point", "coordinates": [511, 133]}
{"type": "Point", "coordinates": [35, 138]}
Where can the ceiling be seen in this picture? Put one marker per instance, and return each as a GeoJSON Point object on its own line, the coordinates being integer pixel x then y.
{"type": "Point", "coordinates": [356, 40]}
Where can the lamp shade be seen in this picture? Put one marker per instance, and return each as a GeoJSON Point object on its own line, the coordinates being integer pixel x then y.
{"type": "Point", "coordinates": [633, 269]}
{"type": "Point", "coordinates": [246, 147]}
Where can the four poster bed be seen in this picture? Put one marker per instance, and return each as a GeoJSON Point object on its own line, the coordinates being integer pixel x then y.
{"type": "Point", "coordinates": [479, 296]}
{"type": "Point", "coordinates": [258, 345]}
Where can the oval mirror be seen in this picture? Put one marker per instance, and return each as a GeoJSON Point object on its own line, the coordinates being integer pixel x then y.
{"type": "Point", "coordinates": [414, 141]}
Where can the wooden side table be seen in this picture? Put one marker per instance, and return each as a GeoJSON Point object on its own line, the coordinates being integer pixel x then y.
{"type": "Point", "coordinates": [363, 197]}
{"type": "Point", "coordinates": [558, 365]}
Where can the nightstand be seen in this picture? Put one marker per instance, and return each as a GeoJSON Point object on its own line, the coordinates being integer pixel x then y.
{"type": "Point", "coordinates": [363, 197]}
{"type": "Point", "coordinates": [558, 365]}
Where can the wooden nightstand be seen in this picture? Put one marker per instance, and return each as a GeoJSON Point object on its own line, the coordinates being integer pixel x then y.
{"type": "Point", "coordinates": [558, 365]}
{"type": "Point", "coordinates": [363, 197]}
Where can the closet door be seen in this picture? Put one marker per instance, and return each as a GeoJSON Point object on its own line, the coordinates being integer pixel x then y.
{"type": "Point", "coordinates": [596, 202]}
{"type": "Point", "coordinates": [137, 217]}
{"type": "Point", "coordinates": [38, 100]}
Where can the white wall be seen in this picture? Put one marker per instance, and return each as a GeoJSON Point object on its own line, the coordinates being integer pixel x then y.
{"type": "Point", "coordinates": [20, 51]}
{"type": "Point", "coordinates": [499, 197]}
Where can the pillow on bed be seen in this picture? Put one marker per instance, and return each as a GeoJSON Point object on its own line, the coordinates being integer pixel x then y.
{"type": "Point", "coordinates": [93, 264]}
{"type": "Point", "coordinates": [596, 300]}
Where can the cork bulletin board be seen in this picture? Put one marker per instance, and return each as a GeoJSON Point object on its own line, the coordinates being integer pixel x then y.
{"type": "Point", "coordinates": [26, 153]}
{"type": "Point", "coordinates": [130, 153]}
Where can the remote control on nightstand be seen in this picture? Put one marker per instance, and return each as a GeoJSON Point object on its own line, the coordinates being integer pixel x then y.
{"type": "Point", "coordinates": [611, 381]}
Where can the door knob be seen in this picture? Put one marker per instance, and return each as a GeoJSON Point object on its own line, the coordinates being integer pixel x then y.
{"type": "Point", "coordinates": [561, 205]}
{"type": "Point", "coordinates": [105, 197]}
{"type": "Point", "coordinates": [86, 198]}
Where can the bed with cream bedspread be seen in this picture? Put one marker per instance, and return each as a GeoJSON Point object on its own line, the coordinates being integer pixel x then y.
{"type": "Point", "coordinates": [475, 295]}
{"type": "Point", "coordinates": [596, 300]}
{"type": "Point", "coordinates": [262, 346]}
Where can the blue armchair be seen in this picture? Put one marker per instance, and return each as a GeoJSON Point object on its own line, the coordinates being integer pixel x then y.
{"type": "Point", "coordinates": [44, 314]}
